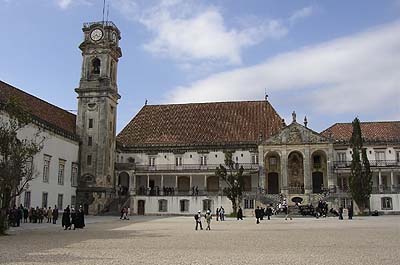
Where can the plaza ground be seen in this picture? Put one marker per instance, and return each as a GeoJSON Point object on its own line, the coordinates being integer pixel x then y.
{"type": "Point", "coordinates": [172, 240]}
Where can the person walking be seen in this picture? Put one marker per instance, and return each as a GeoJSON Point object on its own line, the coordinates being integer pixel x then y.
{"type": "Point", "coordinates": [197, 217]}
{"type": "Point", "coordinates": [208, 218]}
{"type": "Point", "coordinates": [217, 213]}
{"type": "Point", "coordinates": [55, 214]}
{"type": "Point", "coordinates": [239, 214]}
{"type": "Point", "coordinates": [341, 213]}
{"type": "Point", "coordinates": [222, 213]}
{"type": "Point", "coordinates": [350, 211]}
{"type": "Point", "coordinates": [257, 214]}
{"type": "Point", "coordinates": [286, 209]}
{"type": "Point", "coordinates": [49, 215]}
{"type": "Point", "coordinates": [66, 219]}
{"type": "Point", "coordinates": [268, 212]}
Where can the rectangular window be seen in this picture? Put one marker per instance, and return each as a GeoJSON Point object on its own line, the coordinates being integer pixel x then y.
{"type": "Point", "coordinates": [89, 160]}
{"type": "Point", "coordinates": [73, 201]}
{"type": "Point", "coordinates": [387, 203]}
{"type": "Point", "coordinates": [60, 201]}
{"type": "Point", "coordinates": [184, 205]}
{"type": "Point", "coordinates": [203, 160]}
{"type": "Point", "coordinates": [380, 155]}
{"type": "Point", "coordinates": [162, 205]}
{"type": "Point", "coordinates": [74, 175]}
{"type": "Point", "coordinates": [254, 159]}
{"type": "Point", "coordinates": [248, 204]}
{"type": "Point", "coordinates": [90, 141]}
{"type": "Point", "coordinates": [61, 169]}
{"type": "Point", "coordinates": [152, 161]}
{"type": "Point", "coordinates": [178, 161]}
{"type": "Point", "coordinates": [397, 156]}
{"type": "Point", "coordinates": [207, 205]}
{"type": "Point", "coordinates": [44, 199]}
{"type": "Point", "coordinates": [90, 123]}
{"type": "Point", "coordinates": [27, 199]}
{"type": "Point", "coordinates": [341, 156]}
{"type": "Point", "coordinates": [46, 168]}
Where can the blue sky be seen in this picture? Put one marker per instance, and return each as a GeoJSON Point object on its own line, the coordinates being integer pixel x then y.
{"type": "Point", "coordinates": [329, 60]}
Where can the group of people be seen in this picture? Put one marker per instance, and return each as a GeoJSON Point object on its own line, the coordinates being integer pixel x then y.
{"type": "Point", "coordinates": [260, 212]}
{"type": "Point", "coordinates": [74, 218]}
{"type": "Point", "coordinates": [198, 219]}
{"type": "Point", "coordinates": [22, 214]}
{"type": "Point", "coordinates": [125, 213]}
{"type": "Point", "coordinates": [220, 214]}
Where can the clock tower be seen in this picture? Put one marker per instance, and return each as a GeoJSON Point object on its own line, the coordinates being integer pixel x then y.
{"type": "Point", "coordinates": [97, 110]}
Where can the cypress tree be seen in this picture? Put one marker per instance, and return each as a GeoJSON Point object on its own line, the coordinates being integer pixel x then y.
{"type": "Point", "coordinates": [361, 176]}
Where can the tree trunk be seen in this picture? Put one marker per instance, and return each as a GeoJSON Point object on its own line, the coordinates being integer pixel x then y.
{"type": "Point", "coordinates": [3, 221]}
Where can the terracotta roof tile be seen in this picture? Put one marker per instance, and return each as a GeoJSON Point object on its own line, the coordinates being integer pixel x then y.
{"type": "Point", "coordinates": [385, 131]}
{"type": "Point", "coordinates": [201, 123]}
{"type": "Point", "coordinates": [40, 109]}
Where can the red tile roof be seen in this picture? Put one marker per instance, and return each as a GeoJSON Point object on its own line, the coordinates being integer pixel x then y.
{"type": "Point", "coordinates": [201, 123]}
{"type": "Point", "coordinates": [40, 109]}
{"type": "Point", "coordinates": [385, 131]}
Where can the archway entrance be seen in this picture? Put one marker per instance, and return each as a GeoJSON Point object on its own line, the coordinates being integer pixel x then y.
{"type": "Point", "coordinates": [273, 183]}
{"type": "Point", "coordinates": [317, 181]}
{"type": "Point", "coordinates": [123, 183]}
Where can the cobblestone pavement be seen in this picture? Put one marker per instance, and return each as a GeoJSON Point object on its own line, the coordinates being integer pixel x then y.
{"type": "Point", "coordinates": [152, 240]}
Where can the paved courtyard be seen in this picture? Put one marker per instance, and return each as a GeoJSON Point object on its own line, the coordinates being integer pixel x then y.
{"type": "Point", "coordinates": [172, 240]}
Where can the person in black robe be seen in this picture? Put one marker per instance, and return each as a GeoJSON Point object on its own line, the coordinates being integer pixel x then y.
{"type": "Point", "coordinates": [239, 214]}
{"type": "Point", "coordinates": [66, 220]}
{"type": "Point", "coordinates": [80, 218]}
{"type": "Point", "coordinates": [55, 214]}
{"type": "Point", "coordinates": [257, 214]}
{"type": "Point", "coordinates": [74, 219]}
{"type": "Point", "coordinates": [341, 213]}
{"type": "Point", "coordinates": [350, 211]}
{"type": "Point", "coordinates": [268, 212]}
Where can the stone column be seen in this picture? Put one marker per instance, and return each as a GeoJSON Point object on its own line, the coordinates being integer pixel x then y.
{"type": "Point", "coordinates": [284, 173]}
{"type": "Point", "coordinates": [176, 183]}
{"type": "Point", "coordinates": [148, 185]}
{"type": "Point", "coordinates": [162, 185]}
{"type": "Point", "coordinates": [307, 171]}
{"type": "Point", "coordinates": [190, 181]}
{"type": "Point", "coordinates": [205, 182]}
{"type": "Point", "coordinates": [392, 181]}
{"type": "Point", "coordinates": [332, 179]}
{"type": "Point", "coordinates": [380, 181]}
{"type": "Point", "coordinates": [261, 168]}
{"type": "Point", "coordinates": [132, 187]}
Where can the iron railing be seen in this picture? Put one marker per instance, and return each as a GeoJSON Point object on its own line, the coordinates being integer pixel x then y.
{"type": "Point", "coordinates": [183, 167]}
{"type": "Point", "coordinates": [373, 163]}
{"type": "Point", "coordinates": [104, 23]}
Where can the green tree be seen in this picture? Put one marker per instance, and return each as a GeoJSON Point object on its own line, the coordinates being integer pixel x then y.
{"type": "Point", "coordinates": [16, 155]}
{"type": "Point", "coordinates": [361, 176]}
{"type": "Point", "coordinates": [232, 175]}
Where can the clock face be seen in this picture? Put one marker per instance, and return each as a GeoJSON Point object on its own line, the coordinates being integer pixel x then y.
{"type": "Point", "coordinates": [96, 34]}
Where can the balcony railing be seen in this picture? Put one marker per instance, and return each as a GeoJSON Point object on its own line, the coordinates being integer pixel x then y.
{"type": "Point", "coordinates": [373, 163]}
{"type": "Point", "coordinates": [173, 167]}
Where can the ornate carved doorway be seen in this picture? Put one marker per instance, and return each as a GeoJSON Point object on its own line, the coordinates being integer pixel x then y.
{"type": "Point", "coordinates": [296, 173]}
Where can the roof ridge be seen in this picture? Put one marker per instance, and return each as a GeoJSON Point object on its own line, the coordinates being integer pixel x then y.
{"type": "Point", "coordinates": [205, 103]}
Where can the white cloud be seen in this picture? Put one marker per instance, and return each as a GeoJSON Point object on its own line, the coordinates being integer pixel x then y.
{"type": "Point", "coordinates": [188, 31]}
{"type": "Point", "coordinates": [64, 4]}
{"type": "Point", "coordinates": [301, 14]}
{"type": "Point", "coordinates": [355, 74]}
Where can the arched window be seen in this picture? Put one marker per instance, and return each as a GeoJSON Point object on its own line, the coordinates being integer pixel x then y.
{"type": "Point", "coordinates": [96, 66]}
